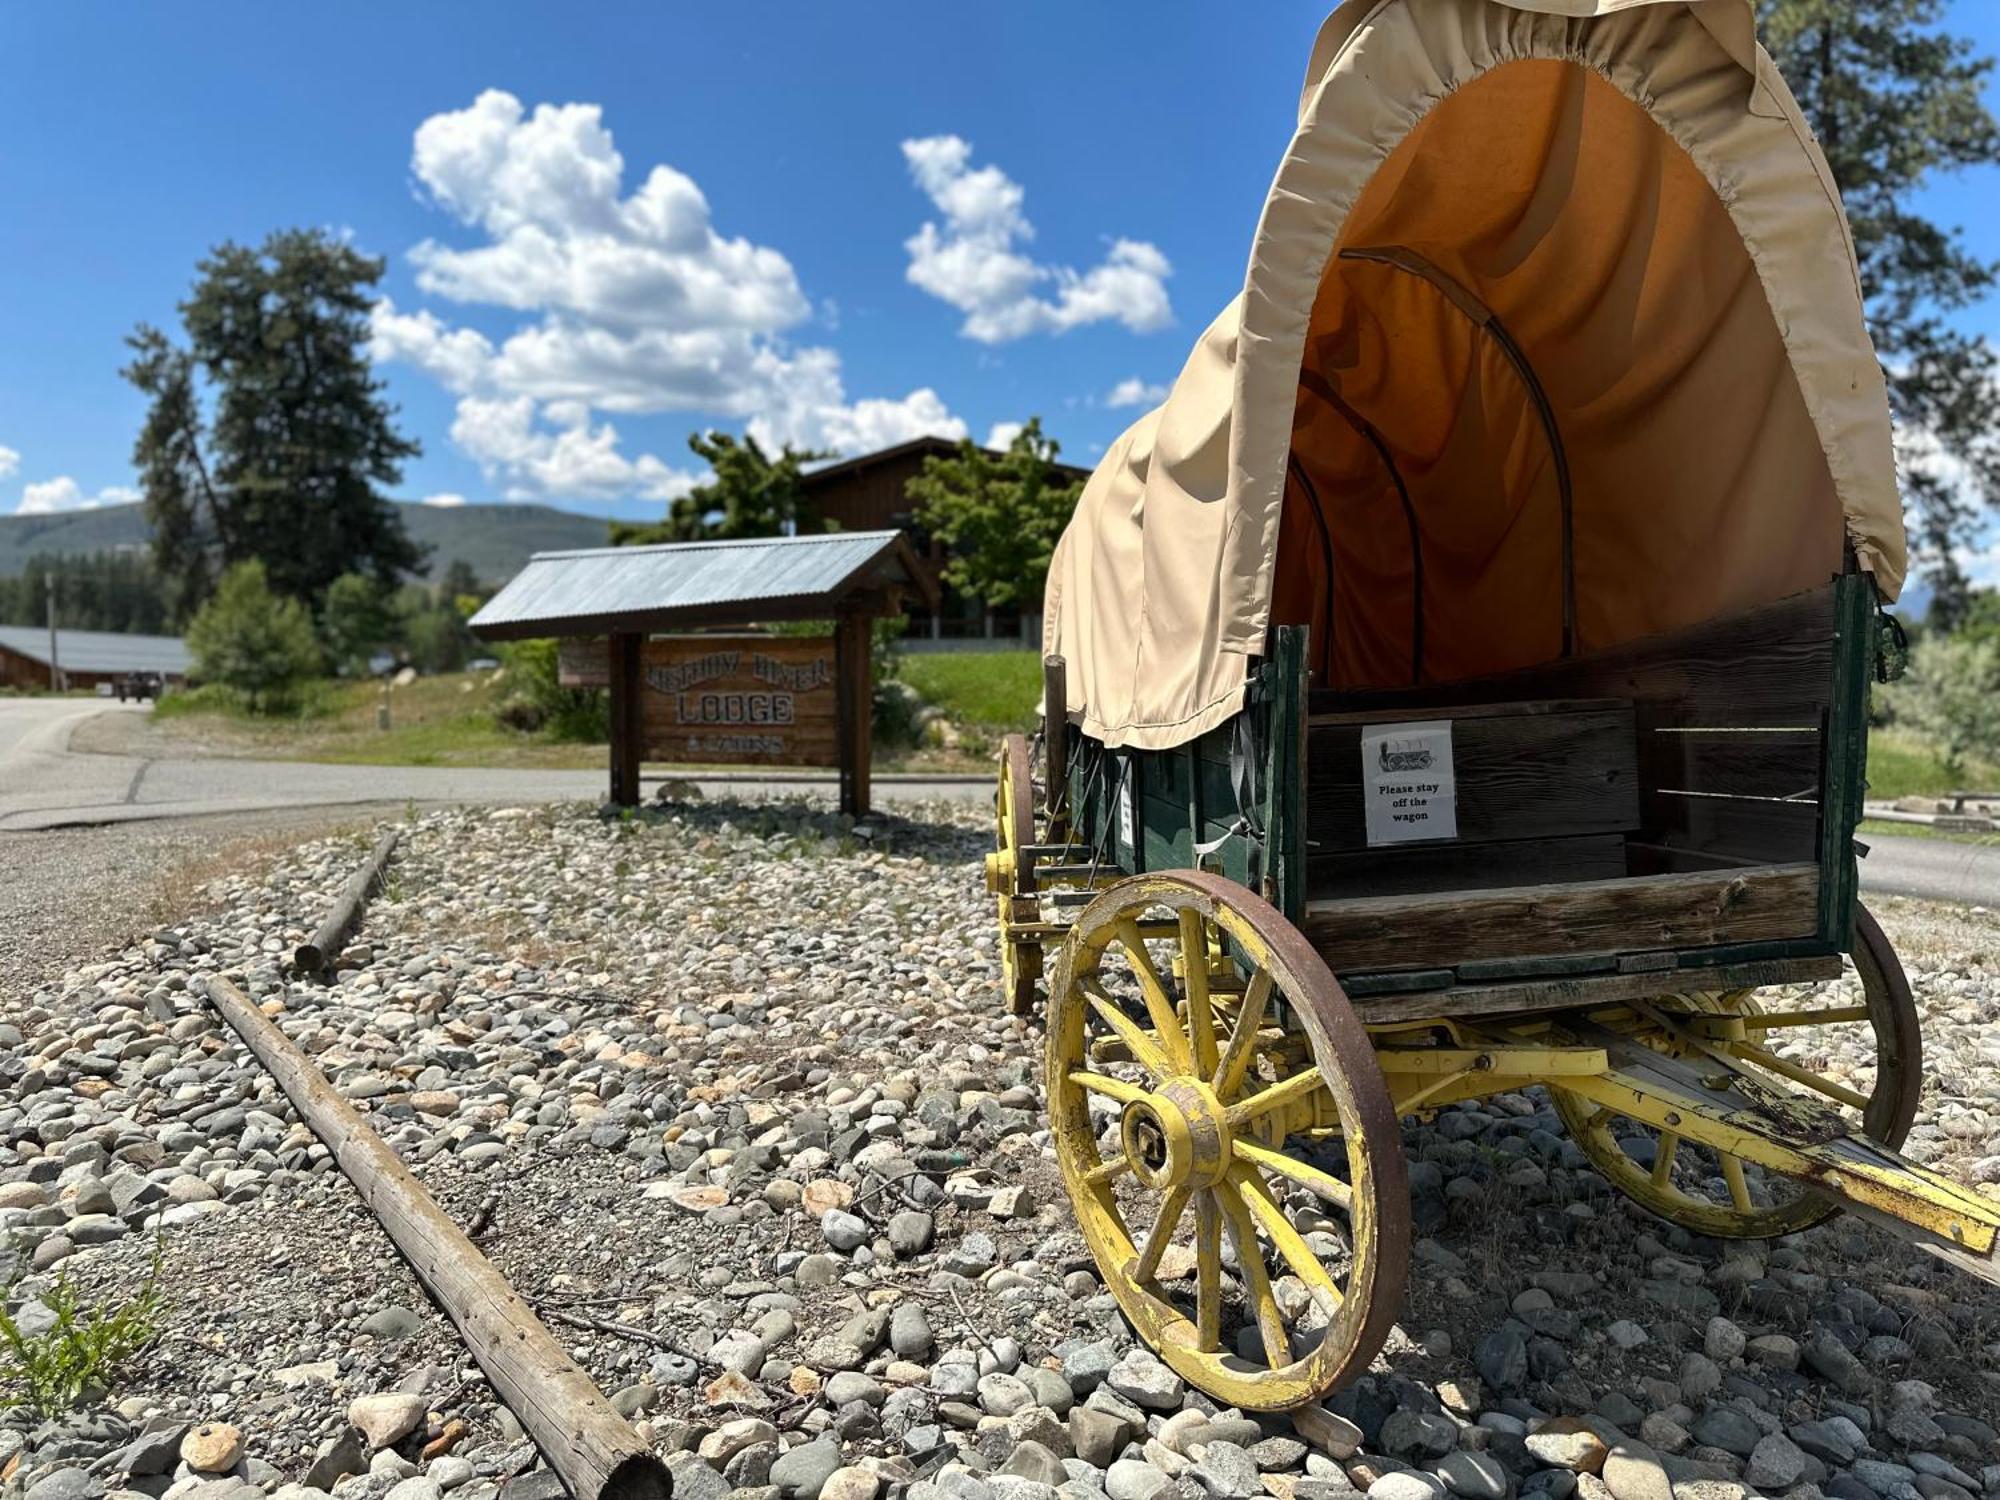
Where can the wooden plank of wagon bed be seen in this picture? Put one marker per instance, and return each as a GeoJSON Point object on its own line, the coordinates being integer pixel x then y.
{"type": "Point", "coordinates": [1702, 909]}
{"type": "Point", "coordinates": [1579, 991]}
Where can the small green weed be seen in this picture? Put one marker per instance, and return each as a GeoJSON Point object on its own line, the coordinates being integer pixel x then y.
{"type": "Point", "coordinates": [51, 1373]}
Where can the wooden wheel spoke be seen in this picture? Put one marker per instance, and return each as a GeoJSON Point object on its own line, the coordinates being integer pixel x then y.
{"type": "Point", "coordinates": [1301, 1085]}
{"type": "Point", "coordinates": [1739, 1190]}
{"type": "Point", "coordinates": [1236, 1056]}
{"type": "Point", "coordinates": [1663, 1159]}
{"type": "Point", "coordinates": [1256, 1280]}
{"type": "Point", "coordinates": [1172, 1206]}
{"type": "Point", "coordinates": [1200, 1015]}
{"type": "Point", "coordinates": [1159, 1002]}
{"type": "Point", "coordinates": [1144, 1047]}
{"type": "Point", "coordinates": [1103, 1083]}
{"type": "Point", "coordinates": [1289, 1242]}
{"type": "Point", "coordinates": [1208, 1271]}
{"type": "Point", "coordinates": [1109, 1171]}
{"type": "Point", "coordinates": [1785, 1068]}
{"type": "Point", "coordinates": [1329, 1187]}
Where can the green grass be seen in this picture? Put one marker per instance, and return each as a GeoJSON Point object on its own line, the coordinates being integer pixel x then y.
{"type": "Point", "coordinates": [1880, 828]}
{"type": "Point", "coordinates": [995, 690]}
{"type": "Point", "coordinates": [1902, 765]}
{"type": "Point", "coordinates": [434, 721]}
{"type": "Point", "coordinates": [439, 721]}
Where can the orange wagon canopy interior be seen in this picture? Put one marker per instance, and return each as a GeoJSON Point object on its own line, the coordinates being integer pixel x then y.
{"type": "Point", "coordinates": [1579, 358]}
{"type": "Point", "coordinates": [1566, 292]}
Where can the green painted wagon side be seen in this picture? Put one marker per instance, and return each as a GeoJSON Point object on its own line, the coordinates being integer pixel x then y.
{"type": "Point", "coordinates": [1235, 802]}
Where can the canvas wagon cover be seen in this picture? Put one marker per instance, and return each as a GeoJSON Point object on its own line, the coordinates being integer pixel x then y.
{"type": "Point", "coordinates": [1627, 186]}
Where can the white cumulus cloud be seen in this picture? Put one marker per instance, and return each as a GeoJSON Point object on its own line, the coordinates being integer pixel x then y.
{"type": "Point", "coordinates": [1132, 391]}
{"type": "Point", "coordinates": [1002, 434]}
{"type": "Point", "coordinates": [974, 260]}
{"type": "Point", "coordinates": [10, 461]}
{"type": "Point", "coordinates": [445, 501]}
{"type": "Point", "coordinates": [807, 407]}
{"type": "Point", "coordinates": [640, 306]}
{"type": "Point", "coordinates": [49, 496]}
{"type": "Point", "coordinates": [457, 358]}
{"type": "Point", "coordinates": [528, 453]}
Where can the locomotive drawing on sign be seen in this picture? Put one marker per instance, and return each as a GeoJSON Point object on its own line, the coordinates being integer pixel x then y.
{"type": "Point", "coordinates": [1406, 755]}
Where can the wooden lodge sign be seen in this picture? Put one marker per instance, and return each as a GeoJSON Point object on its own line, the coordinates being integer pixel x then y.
{"type": "Point", "coordinates": [725, 699]}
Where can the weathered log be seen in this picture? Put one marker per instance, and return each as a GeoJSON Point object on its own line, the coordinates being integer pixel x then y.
{"type": "Point", "coordinates": [313, 957]}
{"type": "Point", "coordinates": [593, 1449]}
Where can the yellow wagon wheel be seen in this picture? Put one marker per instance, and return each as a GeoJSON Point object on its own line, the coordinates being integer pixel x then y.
{"type": "Point", "coordinates": [1794, 1044]}
{"type": "Point", "coordinates": [1191, 1093]}
{"type": "Point", "coordinates": [1007, 875]}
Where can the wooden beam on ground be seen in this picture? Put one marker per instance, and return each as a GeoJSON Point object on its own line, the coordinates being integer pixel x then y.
{"type": "Point", "coordinates": [318, 955]}
{"type": "Point", "coordinates": [593, 1449]}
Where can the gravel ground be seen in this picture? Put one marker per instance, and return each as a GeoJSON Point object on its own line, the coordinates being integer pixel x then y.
{"type": "Point", "coordinates": [66, 894]}
{"type": "Point", "coordinates": [728, 1094]}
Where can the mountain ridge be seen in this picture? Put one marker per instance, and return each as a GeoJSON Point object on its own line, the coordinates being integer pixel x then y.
{"type": "Point", "coordinates": [495, 539]}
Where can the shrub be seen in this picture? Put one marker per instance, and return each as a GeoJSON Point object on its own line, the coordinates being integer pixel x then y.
{"type": "Point", "coordinates": [55, 1372]}
{"type": "Point", "coordinates": [540, 702]}
{"type": "Point", "coordinates": [253, 642]}
{"type": "Point", "coordinates": [1951, 696]}
{"type": "Point", "coordinates": [355, 622]}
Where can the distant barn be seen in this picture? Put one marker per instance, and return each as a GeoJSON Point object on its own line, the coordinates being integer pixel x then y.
{"type": "Point", "coordinates": [87, 657]}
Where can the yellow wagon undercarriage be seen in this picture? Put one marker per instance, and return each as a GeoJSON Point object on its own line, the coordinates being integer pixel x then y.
{"type": "Point", "coordinates": [1215, 1098]}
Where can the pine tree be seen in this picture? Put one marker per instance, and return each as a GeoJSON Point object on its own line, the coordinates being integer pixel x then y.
{"type": "Point", "coordinates": [253, 641]}
{"type": "Point", "coordinates": [1895, 100]}
{"type": "Point", "coordinates": [181, 504]}
{"type": "Point", "coordinates": [301, 442]}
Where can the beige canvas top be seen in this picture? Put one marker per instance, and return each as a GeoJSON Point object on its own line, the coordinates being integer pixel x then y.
{"type": "Point", "coordinates": [1520, 258]}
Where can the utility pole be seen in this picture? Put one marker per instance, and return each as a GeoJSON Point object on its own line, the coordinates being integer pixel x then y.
{"type": "Point", "coordinates": [55, 666]}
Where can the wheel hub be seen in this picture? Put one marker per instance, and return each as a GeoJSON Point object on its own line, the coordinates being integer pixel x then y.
{"type": "Point", "coordinates": [1176, 1137]}
{"type": "Point", "coordinates": [1000, 871]}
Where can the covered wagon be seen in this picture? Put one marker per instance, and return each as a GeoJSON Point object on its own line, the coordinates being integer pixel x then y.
{"type": "Point", "coordinates": [1460, 682]}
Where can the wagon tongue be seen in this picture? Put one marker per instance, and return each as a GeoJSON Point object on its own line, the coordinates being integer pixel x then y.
{"type": "Point", "coordinates": [1707, 1097]}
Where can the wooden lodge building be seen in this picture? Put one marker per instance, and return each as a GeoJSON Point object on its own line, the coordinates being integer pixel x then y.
{"type": "Point", "coordinates": [870, 493]}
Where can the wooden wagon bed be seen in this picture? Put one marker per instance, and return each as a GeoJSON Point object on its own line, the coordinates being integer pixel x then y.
{"type": "Point", "coordinates": [1680, 802]}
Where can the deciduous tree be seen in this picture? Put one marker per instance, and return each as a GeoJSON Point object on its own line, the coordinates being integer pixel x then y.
{"type": "Point", "coordinates": [749, 493]}
{"type": "Point", "coordinates": [1000, 514]}
{"type": "Point", "coordinates": [355, 622]}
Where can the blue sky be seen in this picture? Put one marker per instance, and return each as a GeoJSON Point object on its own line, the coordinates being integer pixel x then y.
{"type": "Point", "coordinates": [556, 325]}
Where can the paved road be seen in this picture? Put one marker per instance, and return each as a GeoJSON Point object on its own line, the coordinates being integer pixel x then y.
{"type": "Point", "coordinates": [44, 785]}
{"type": "Point", "coordinates": [1936, 869]}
